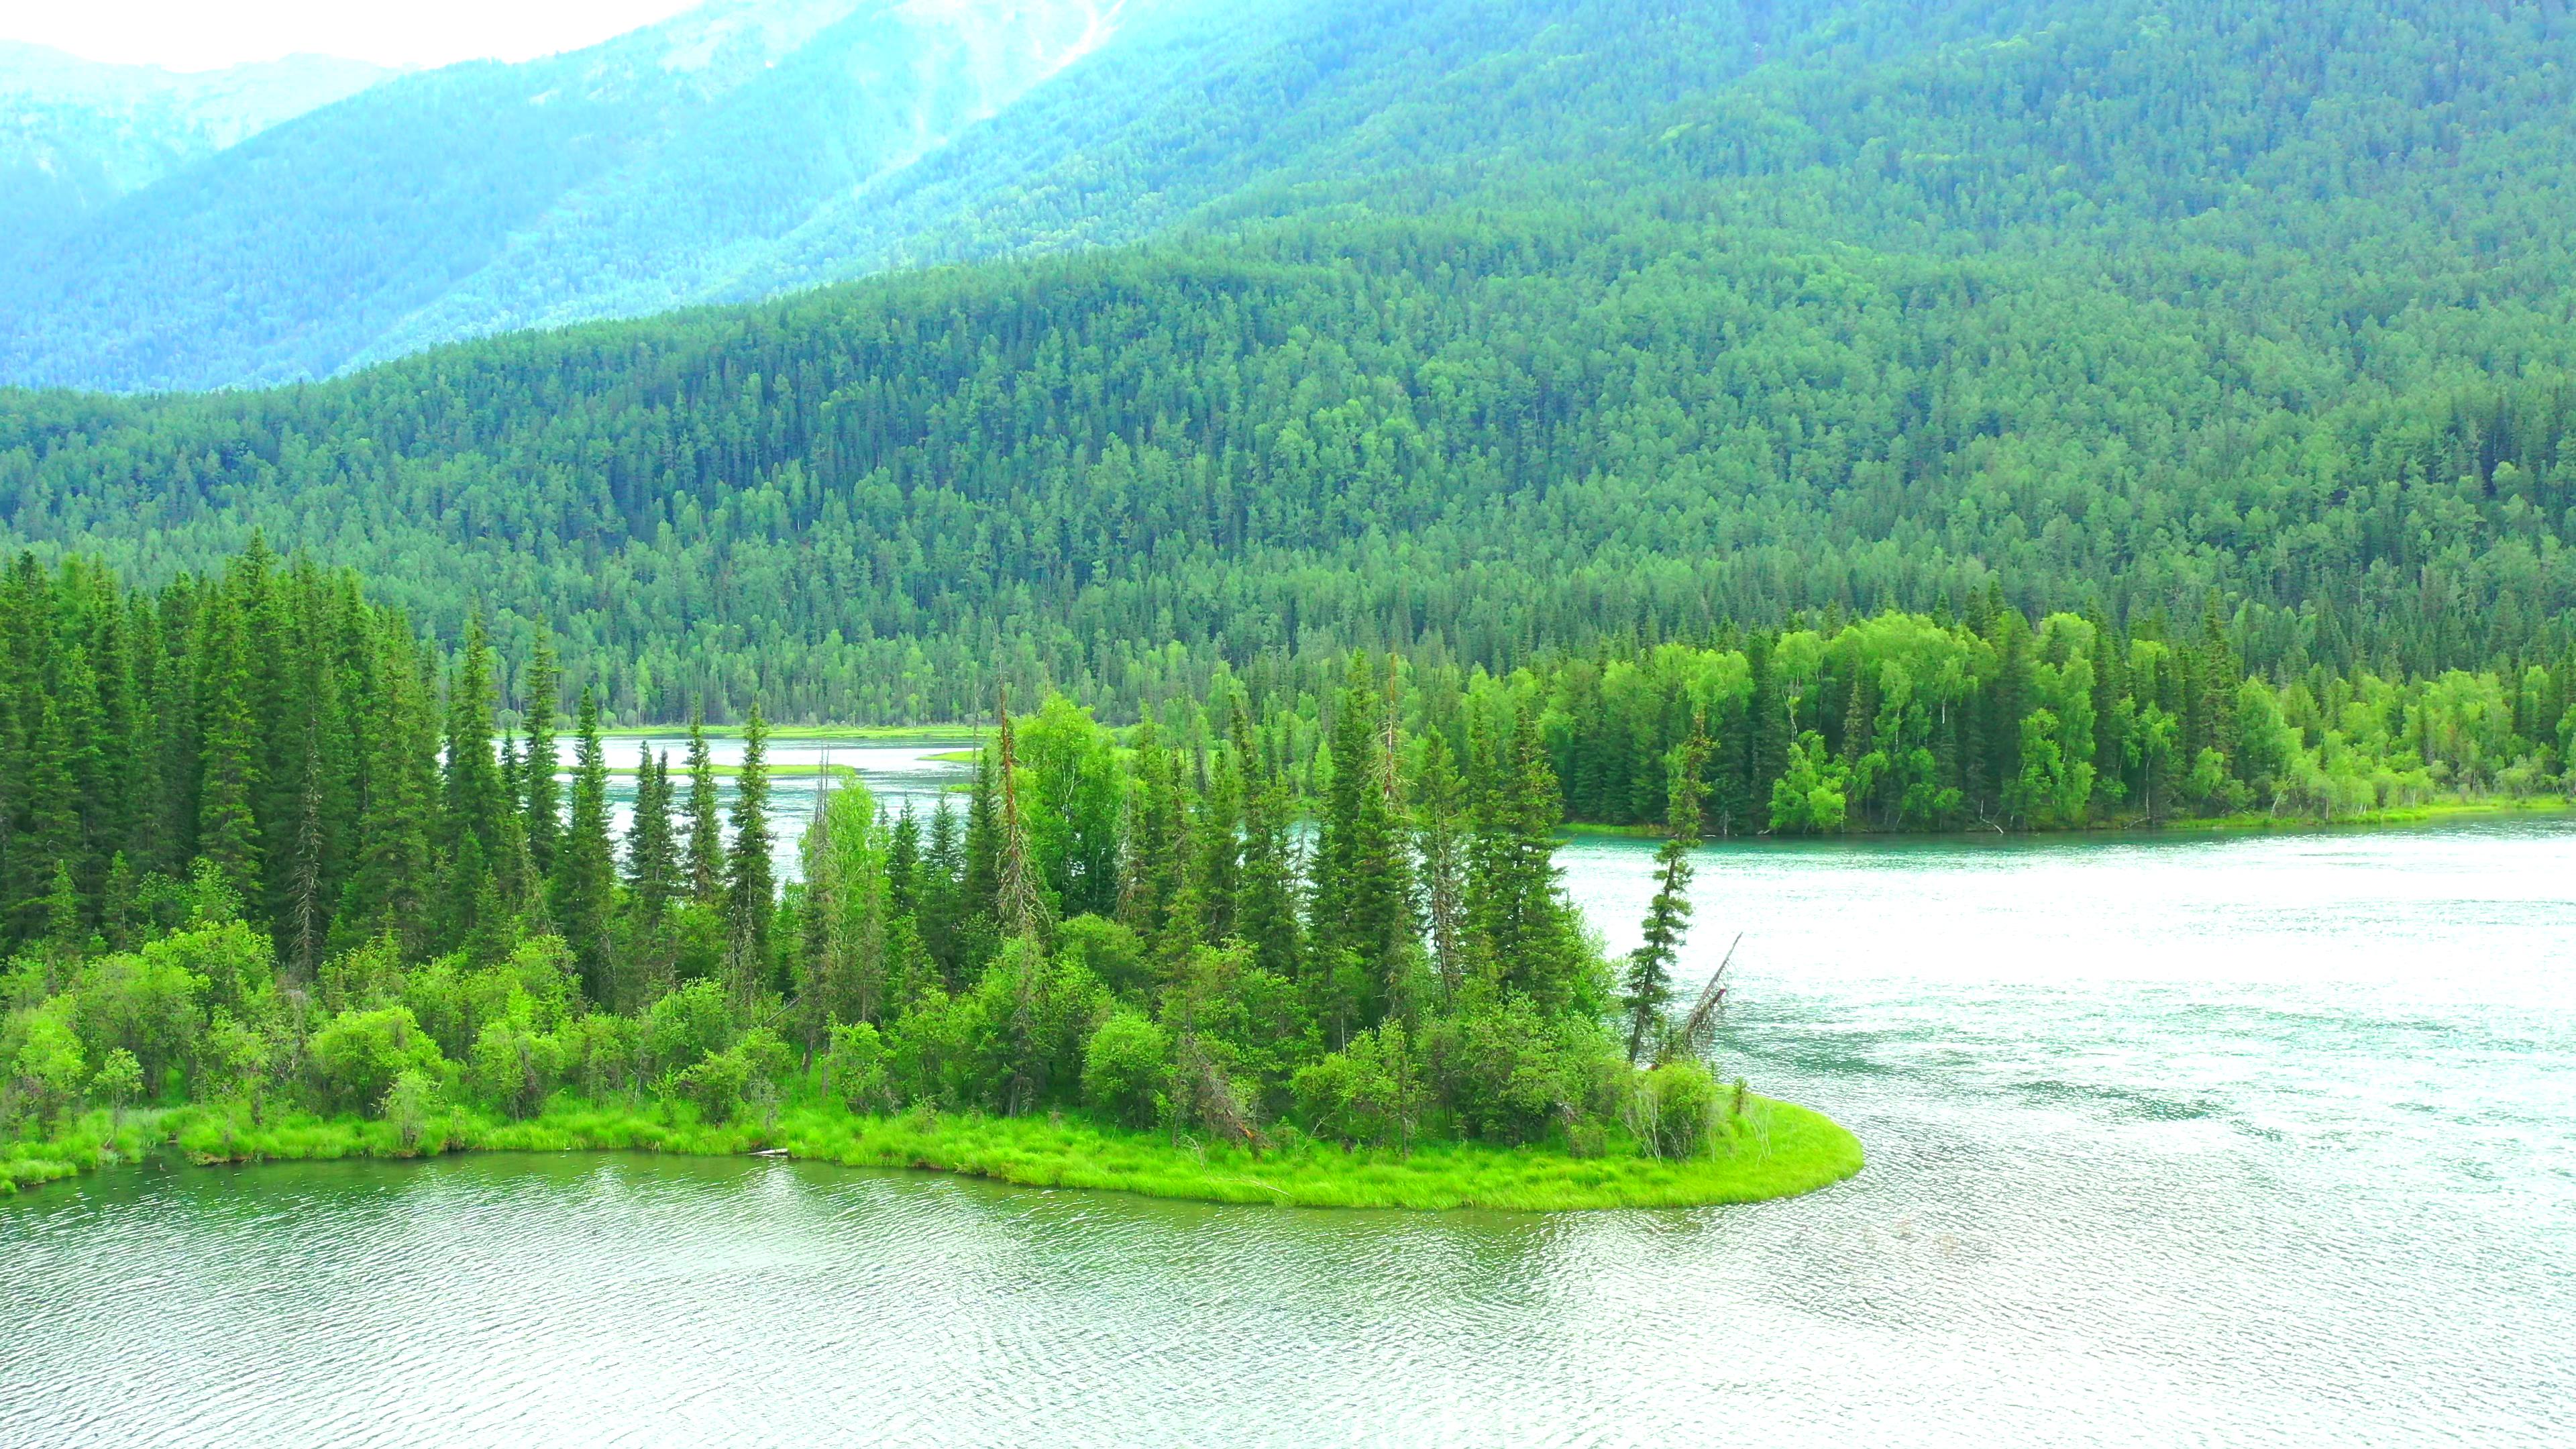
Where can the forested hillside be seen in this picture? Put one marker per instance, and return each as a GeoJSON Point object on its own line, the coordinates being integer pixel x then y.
{"type": "Point", "coordinates": [75, 135]}
{"type": "Point", "coordinates": [1703, 317]}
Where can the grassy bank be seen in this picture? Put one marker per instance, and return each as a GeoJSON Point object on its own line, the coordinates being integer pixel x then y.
{"type": "Point", "coordinates": [1776, 1149]}
{"type": "Point", "coordinates": [2439, 812]}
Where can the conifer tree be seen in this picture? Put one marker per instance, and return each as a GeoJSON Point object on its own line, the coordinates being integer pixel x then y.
{"type": "Point", "coordinates": [227, 833]}
{"type": "Point", "coordinates": [652, 854]}
{"type": "Point", "coordinates": [1266, 902]}
{"type": "Point", "coordinates": [537, 776]}
{"type": "Point", "coordinates": [903, 863]}
{"type": "Point", "coordinates": [750, 892]}
{"type": "Point", "coordinates": [653, 879]}
{"type": "Point", "coordinates": [1439, 834]}
{"type": "Point", "coordinates": [585, 872]}
{"type": "Point", "coordinates": [1650, 966]}
{"type": "Point", "coordinates": [706, 858]}
{"type": "Point", "coordinates": [475, 803]}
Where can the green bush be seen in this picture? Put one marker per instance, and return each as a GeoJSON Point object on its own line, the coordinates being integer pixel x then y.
{"type": "Point", "coordinates": [1110, 951]}
{"type": "Point", "coordinates": [1502, 1071]}
{"type": "Point", "coordinates": [718, 1084]}
{"type": "Point", "coordinates": [688, 1026]}
{"type": "Point", "coordinates": [148, 1003]}
{"type": "Point", "coordinates": [1676, 1109]}
{"type": "Point", "coordinates": [358, 1054]}
{"type": "Point", "coordinates": [1125, 1068]}
{"type": "Point", "coordinates": [854, 1069]}
{"type": "Point", "coordinates": [512, 1070]}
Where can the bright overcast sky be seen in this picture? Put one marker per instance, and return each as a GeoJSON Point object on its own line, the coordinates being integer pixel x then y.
{"type": "Point", "coordinates": [204, 34]}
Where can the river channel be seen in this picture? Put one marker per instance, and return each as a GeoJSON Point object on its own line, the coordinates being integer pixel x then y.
{"type": "Point", "coordinates": [2251, 1140]}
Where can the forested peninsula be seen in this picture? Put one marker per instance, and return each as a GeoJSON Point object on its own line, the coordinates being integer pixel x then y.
{"type": "Point", "coordinates": [283, 885]}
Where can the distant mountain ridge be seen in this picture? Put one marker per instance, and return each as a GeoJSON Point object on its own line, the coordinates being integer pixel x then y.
{"type": "Point", "coordinates": [77, 134]}
{"type": "Point", "coordinates": [753, 147]}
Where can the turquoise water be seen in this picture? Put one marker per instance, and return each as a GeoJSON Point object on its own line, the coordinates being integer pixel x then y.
{"type": "Point", "coordinates": [2243, 1141]}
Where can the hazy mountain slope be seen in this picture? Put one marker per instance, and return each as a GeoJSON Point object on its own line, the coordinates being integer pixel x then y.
{"type": "Point", "coordinates": [294, 253]}
{"type": "Point", "coordinates": [76, 134]}
{"type": "Point", "coordinates": [763, 145]}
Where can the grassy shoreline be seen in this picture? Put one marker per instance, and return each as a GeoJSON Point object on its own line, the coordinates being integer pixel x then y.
{"type": "Point", "coordinates": [2439, 812]}
{"type": "Point", "coordinates": [1777, 1150]}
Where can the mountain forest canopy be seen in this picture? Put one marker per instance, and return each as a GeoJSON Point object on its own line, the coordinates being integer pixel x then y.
{"type": "Point", "coordinates": [1623, 324]}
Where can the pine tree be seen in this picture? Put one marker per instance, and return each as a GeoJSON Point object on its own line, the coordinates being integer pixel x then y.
{"type": "Point", "coordinates": [585, 872]}
{"type": "Point", "coordinates": [750, 891]}
{"type": "Point", "coordinates": [1650, 966]}
{"type": "Point", "coordinates": [227, 832]}
{"type": "Point", "coordinates": [1266, 905]}
{"type": "Point", "coordinates": [903, 863]}
{"type": "Point", "coordinates": [653, 880]}
{"type": "Point", "coordinates": [1363, 908]}
{"type": "Point", "coordinates": [1518, 918]}
{"type": "Point", "coordinates": [1439, 835]}
{"type": "Point", "coordinates": [475, 803]}
{"type": "Point", "coordinates": [706, 859]}
{"type": "Point", "coordinates": [537, 781]}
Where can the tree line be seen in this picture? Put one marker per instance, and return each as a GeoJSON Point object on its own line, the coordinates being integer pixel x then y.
{"type": "Point", "coordinates": [273, 847]}
{"type": "Point", "coordinates": [268, 843]}
{"type": "Point", "coordinates": [2151, 302]}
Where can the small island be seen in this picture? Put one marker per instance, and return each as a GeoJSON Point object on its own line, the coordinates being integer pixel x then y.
{"type": "Point", "coordinates": [1155, 960]}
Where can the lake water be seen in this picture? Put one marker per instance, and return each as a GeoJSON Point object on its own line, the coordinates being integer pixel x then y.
{"type": "Point", "coordinates": [2226, 1142]}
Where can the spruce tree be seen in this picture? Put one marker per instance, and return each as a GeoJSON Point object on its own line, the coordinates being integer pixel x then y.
{"type": "Point", "coordinates": [543, 685]}
{"type": "Point", "coordinates": [653, 879]}
{"type": "Point", "coordinates": [227, 833]}
{"type": "Point", "coordinates": [750, 891]}
{"type": "Point", "coordinates": [1439, 835]}
{"type": "Point", "coordinates": [706, 859]}
{"type": "Point", "coordinates": [585, 871]}
{"type": "Point", "coordinates": [474, 799]}
{"type": "Point", "coordinates": [1650, 966]}
{"type": "Point", "coordinates": [1266, 903]}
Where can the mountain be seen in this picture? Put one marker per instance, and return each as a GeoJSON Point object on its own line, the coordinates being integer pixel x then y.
{"type": "Point", "coordinates": [754, 147]}
{"type": "Point", "coordinates": [76, 135]}
{"type": "Point", "coordinates": [1583, 325]}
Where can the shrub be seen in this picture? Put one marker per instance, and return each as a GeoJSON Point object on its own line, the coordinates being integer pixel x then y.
{"type": "Point", "coordinates": [1125, 1067]}
{"type": "Point", "coordinates": [718, 1083]}
{"type": "Point", "coordinates": [408, 1104]}
{"type": "Point", "coordinates": [358, 1054]}
{"type": "Point", "coordinates": [512, 1069]}
{"type": "Point", "coordinates": [149, 1004]}
{"type": "Point", "coordinates": [1502, 1070]}
{"type": "Point", "coordinates": [1111, 951]}
{"type": "Point", "coordinates": [687, 1026]}
{"type": "Point", "coordinates": [854, 1069]}
{"type": "Point", "coordinates": [598, 1053]}
{"type": "Point", "coordinates": [1674, 1111]}
{"type": "Point", "coordinates": [48, 1064]}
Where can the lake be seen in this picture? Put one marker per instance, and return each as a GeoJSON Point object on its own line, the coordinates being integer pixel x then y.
{"type": "Point", "coordinates": [2252, 1140]}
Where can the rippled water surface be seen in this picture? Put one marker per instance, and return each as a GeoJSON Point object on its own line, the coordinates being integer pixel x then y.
{"type": "Point", "coordinates": [2263, 1141]}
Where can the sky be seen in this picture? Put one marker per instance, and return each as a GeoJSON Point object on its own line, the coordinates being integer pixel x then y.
{"type": "Point", "coordinates": [208, 34]}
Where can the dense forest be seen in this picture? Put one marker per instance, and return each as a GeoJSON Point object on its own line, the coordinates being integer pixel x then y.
{"type": "Point", "coordinates": [2131, 311]}
{"type": "Point", "coordinates": [245, 867]}
{"type": "Point", "coordinates": [265, 841]}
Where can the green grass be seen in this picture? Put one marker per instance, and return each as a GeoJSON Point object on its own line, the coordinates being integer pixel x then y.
{"type": "Point", "coordinates": [2437, 812]}
{"type": "Point", "coordinates": [1777, 1149]}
